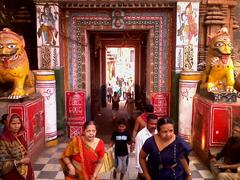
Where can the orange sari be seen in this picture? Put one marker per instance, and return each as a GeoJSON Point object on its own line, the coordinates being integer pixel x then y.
{"type": "Point", "coordinates": [83, 157]}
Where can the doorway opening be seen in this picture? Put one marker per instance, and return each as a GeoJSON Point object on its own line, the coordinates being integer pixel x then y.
{"type": "Point", "coordinates": [117, 58]}
{"type": "Point", "coordinates": [120, 72]}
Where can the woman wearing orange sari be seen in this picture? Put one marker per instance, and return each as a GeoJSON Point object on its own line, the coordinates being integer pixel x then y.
{"type": "Point", "coordinates": [14, 161]}
{"type": "Point", "coordinates": [83, 156]}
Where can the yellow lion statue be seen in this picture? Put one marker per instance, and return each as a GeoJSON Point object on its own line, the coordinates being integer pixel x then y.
{"type": "Point", "coordinates": [14, 66]}
{"type": "Point", "coordinates": [219, 72]}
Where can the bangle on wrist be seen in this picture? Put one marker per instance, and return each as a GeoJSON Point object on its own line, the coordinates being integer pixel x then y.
{"type": "Point", "coordinates": [189, 174]}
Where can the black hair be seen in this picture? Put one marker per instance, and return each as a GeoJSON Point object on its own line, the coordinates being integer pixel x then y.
{"type": "Point", "coordinates": [87, 123]}
{"type": "Point", "coordinates": [148, 108]}
{"type": "Point", "coordinates": [151, 116]}
{"type": "Point", "coordinates": [4, 118]}
{"type": "Point", "coordinates": [15, 116]}
{"type": "Point", "coordinates": [162, 121]}
{"type": "Point", "coordinates": [121, 121]}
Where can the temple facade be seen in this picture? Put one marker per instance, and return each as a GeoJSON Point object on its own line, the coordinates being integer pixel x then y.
{"type": "Point", "coordinates": [170, 39]}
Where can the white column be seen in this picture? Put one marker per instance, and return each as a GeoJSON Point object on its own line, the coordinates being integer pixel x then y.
{"type": "Point", "coordinates": [46, 86]}
{"type": "Point", "coordinates": [187, 21]}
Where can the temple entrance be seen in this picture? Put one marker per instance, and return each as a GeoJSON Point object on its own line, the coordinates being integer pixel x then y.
{"type": "Point", "coordinates": [120, 72]}
{"type": "Point", "coordinates": [105, 50]}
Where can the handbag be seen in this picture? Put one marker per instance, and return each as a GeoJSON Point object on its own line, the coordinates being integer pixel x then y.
{"type": "Point", "coordinates": [108, 161]}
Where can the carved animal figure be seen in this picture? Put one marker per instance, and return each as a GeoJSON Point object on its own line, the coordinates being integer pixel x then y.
{"type": "Point", "coordinates": [219, 72]}
{"type": "Point", "coordinates": [14, 65]}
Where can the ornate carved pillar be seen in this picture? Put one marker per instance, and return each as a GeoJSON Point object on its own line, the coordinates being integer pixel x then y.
{"type": "Point", "coordinates": [202, 37]}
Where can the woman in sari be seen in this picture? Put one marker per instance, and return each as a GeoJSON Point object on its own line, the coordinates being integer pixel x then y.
{"type": "Point", "coordinates": [14, 161]}
{"type": "Point", "coordinates": [83, 156]}
{"type": "Point", "coordinates": [167, 154]}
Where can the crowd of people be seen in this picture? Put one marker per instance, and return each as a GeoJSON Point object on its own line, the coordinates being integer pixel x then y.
{"type": "Point", "coordinates": [151, 137]}
{"type": "Point", "coordinates": [159, 152]}
{"type": "Point", "coordinates": [121, 87]}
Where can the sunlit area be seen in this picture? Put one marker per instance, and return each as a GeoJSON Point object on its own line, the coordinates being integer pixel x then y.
{"type": "Point", "coordinates": [120, 69]}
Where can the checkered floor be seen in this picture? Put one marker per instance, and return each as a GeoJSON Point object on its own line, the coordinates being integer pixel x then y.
{"type": "Point", "coordinates": [47, 166]}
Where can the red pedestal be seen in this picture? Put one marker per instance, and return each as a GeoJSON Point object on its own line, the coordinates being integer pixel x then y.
{"type": "Point", "coordinates": [212, 124]}
{"type": "Point", "coordinates": [32, 114]}
{"type": "Point", "coordinates": [75, 112]}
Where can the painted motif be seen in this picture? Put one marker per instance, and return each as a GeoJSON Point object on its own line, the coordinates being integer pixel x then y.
{"type": "Point", "coordinates": [118, 19]}
{"type": "Point", "coordinates": [160, 102]}
{"type": "Point", "coordinates": [187, 29]}
{"type": "Point", "coordinates": [47, 18]}
{"type": "Point", "coordinates": [48, 36]}
{"type": "Point", "coordinates": [48, 57]}
{"type": "Point", "coordinates": [187, 35]}
{"type": "Point", "coordinates": [75, 105]}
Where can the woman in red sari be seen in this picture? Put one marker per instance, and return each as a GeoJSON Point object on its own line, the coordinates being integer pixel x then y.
{"type": "Point", "coordinates": [83, 156]}
{"type": "Point", "coordinates": [14, 161]}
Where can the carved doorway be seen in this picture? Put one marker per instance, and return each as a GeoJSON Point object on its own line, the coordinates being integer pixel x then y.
{"type": "Point", "coordinates": [99, 43]}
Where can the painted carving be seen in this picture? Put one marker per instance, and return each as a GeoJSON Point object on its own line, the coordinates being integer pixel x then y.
{"type": "Point", "coordinates": [118, 19]}
{"type": "Point", "coordinates": [187, 36]}
{"type": "Point", "coordinates": [47, 30]}
{"type": "Point", "coordinates": [219, 73]}
{"type": "Point", "coordinates": [15, 73]}
{"type": "Point", "coordinates": [188, 23]}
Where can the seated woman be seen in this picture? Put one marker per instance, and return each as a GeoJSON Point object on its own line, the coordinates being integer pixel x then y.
{"type": "Point", "coordinates": [167, 154]}
{"type": "Point", "coordinates": [14, 160]}
{"type": "Point", "coordinates": [225, 164]}
{"type": "Point", "coordinates": [83, 156]}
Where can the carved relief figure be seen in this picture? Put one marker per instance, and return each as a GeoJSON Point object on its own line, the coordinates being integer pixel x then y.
{"type": "Point", "coordinates": [14, 65]}
{"type": "Point", "coordinates": [47, 26]}
{"type": "Point", "coordinates": [219, 72]}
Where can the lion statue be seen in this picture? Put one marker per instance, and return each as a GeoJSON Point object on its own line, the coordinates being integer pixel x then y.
{"type": "Point", "coordinates": [17, 79]}
{"type": "Point", "coordinates": [219, 73]}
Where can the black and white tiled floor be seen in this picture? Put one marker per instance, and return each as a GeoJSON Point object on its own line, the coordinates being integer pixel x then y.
{"type": "Point", "coordinates": [47, 166]}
